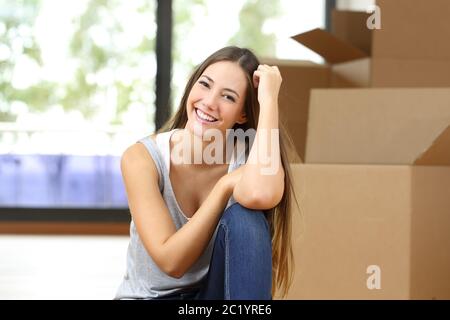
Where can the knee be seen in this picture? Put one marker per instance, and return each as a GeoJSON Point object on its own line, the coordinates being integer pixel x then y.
{"type": "Point", "coordinates": [244, 222]}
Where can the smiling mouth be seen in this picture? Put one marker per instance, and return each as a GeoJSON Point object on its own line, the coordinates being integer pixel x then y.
{"type": "Point", "coordinates": [203, 116]}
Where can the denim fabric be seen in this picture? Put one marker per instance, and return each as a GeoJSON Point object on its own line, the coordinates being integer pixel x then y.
{"type": "Point", "coordinates": [241, 263]}
{"type": "Point", "coordinates": [185, 295]}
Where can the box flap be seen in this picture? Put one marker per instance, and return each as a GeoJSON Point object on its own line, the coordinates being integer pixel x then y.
{"type": "Point", "coordinates": [351, 26]}
{"type": "Point", "coordinates": [332, 49]}
{"type": "Point", "coordinates": [438, 154]}
{"type": "Point", "coordinates": [374, 126]}
{"type": "Point", "coordinates": [351, 74]}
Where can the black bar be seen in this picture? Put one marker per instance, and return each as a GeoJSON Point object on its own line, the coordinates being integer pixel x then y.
{"type": "Point", "coordinates": [237, 309]}
{"type": "Point", "coordinates": [329, 6]}
{"type": "Point", "coordinates": [163, 61]}
{"type": "Point", "coordinates": [63, 215]}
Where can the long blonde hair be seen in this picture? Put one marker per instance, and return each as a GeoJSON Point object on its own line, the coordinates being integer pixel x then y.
{"type": "Point", "coordinates": [279, 217]}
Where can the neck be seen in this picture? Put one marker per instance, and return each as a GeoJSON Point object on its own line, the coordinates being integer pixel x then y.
{"type": "Point", "coordinates": [201, 152]}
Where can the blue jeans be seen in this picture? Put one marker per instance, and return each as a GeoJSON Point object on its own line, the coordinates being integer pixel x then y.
{"type": "Point", "coordinates": [241, 263]}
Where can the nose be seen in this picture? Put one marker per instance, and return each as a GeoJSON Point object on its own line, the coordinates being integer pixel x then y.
{"type": "Point", "coordinates": [210, 100]}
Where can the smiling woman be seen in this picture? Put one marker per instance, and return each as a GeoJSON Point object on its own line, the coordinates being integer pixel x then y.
{"type": "Point", "coordinates": [194, 240]}
{"type": "Point", "coordinates": [92, 93]}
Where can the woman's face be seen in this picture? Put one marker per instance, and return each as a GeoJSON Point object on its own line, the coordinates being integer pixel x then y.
{"type": "Point", "coordinates": [217, 99]}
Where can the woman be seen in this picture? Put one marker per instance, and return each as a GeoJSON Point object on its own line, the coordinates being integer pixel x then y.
{"type": "Point", "coordinates": [212, 229]}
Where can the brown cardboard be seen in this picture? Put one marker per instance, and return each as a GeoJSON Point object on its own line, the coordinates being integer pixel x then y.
{"type": "Point", "coordinates": [353, 62]}
{"type": "Point", "coordinates": [331, 48]}
{"type": "Point", "coordinates": [374, 126]}
{"type": "Point", "coordinates": [439, 152]}
{"type": "Point", "coordinates": [352, 217]}
{"type": "Point", "coordinates": [409, 73]}
{"type": "Point", "coordinates": [408, 51]}
{"type": "Point", "coordinates": [361, 214]}
{"type": "Point", "coordinates": [413, 29]}
{"type": "Point", "coordinates": [346, 25]}
{"type": "Point", "coordinates": [351, 74]}
{"type": "Point", "coordinates": [374, 190]}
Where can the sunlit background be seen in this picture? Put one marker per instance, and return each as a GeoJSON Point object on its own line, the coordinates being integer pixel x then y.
{"type": "Point", "coordinates": [77, 77]}
{"type": "Point", "coordinates": [77, 83]}
{"type": "Point", "coordinates": [77, 86]}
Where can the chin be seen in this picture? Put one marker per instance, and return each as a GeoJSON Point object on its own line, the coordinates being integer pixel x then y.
{"type": "Point", "coordinates": [195, 128]}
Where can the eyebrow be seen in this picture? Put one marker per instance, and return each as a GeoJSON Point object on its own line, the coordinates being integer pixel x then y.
{"type": "Point", "coordinates": [227, 89]}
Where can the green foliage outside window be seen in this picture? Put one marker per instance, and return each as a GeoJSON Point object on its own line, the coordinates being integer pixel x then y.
{"type": "Point", "coordinates": [98, 67]}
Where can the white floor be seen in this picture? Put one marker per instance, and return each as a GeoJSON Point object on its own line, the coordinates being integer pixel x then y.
{"type": "Point", "coordinates": [61, 267]}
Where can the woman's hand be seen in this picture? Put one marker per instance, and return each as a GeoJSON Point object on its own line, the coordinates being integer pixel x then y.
{"type": "Point", "coordinates": [268, 81]}
{"type": "Point", "coordinates": [231, 179]}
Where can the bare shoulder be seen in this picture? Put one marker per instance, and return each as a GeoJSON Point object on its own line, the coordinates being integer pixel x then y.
{"type": "Point", "coordinates": [137, 153]}
{"type": "Point", "coordinates": [136, 158]}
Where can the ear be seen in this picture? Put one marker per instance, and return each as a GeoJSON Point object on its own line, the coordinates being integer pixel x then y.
{"type": "Point", "coordinates": [242, 118]}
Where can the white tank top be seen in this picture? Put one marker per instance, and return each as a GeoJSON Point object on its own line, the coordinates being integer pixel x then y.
{"type": "Point", "coordinates": [143, 278]}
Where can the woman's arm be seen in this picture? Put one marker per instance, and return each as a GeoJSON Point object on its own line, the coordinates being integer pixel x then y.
{"type": "Point", "coordinates": [173, 251]}
{"type": "Point", "coordinates": [262, 183]}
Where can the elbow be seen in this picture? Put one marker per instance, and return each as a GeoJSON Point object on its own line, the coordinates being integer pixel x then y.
{"type": "Point", "coordinates": [169, 263]}
{"type": "Point", "coordinates": [260, 194]}
{"type": "Point", "coordinates": [259, 200]}
{"type": "Point", "coordinates": [265, 201]}
{"type": "Point", "coordinates": [172, 271]}
{"type": "Point", "coordinates": [175, 274]}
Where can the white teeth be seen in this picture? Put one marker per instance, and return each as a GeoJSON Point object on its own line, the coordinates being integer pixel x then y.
{"type": "Point", "coordinates": [204, 116]}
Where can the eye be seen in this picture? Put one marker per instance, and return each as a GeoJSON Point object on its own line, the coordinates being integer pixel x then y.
{"type": "Point", "coordinates": [230, 98]}
{"type": "Point", "coordinates": [204, 83]}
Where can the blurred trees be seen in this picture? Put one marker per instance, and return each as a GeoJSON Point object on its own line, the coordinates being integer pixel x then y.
{"type": "Point", "coordinates": [254, 14]}
{"type": "Point", "coordinates": [110, 63]}
{"type": "Point", "coordinates": [107, 66]}
{"type": "Point", "coordinates": [18, 43]}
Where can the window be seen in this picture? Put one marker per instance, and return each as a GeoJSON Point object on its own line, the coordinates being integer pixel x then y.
{"type": "Point", "coordinates": [203, 26]}
{"type": "Point", "coordinates": [77, 87]}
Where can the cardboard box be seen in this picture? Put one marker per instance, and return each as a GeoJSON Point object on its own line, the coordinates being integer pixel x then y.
{"type": "Point", "coordinates": [346, 26]}
{"type": "Point", "coordinates": [347, 49]}
{"type": "Point", "coordinates": [374, 191]}
{"type": "Point", "coordinates": [374, 126]}
{"type": "Point", "coordinates": [359, 58]}
{"type": "Point", "coordinates": [411, 48]}
{"type": "Point", "coordinates": [299, 77]}
{"type": "Point", "coordinates": [409, 73]}
{"type": "Point", "coordinates": [408, 51]}
{"type": "Point", "coordinates": [413, 29]}
{"type": "Point", "coordinates": [370, 231]}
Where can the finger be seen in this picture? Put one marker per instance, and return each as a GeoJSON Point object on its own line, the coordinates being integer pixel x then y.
{"type": "Point", "coordinates": [276, 69]}
{"type": "Point", "coordinates": [263, 67]}
{"type": "Point", "coordinates": [256, 76]}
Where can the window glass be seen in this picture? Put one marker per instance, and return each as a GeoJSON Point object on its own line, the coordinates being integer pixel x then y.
{"type": "Point", "coordinates": [77, 87]}
{"type": "Point", "coordinates": [203, 26]}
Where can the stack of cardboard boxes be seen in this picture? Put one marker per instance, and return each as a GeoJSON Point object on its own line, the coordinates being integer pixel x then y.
{"type": "Point", "coordinates": [372, 126]}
